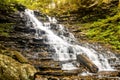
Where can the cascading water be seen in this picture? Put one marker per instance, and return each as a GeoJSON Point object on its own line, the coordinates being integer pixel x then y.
{"type": "Point", "coordinates": [64, 44]}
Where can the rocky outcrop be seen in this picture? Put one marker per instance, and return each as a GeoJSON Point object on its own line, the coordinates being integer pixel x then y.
{"type": "Point", "coordinates": [10, 69]}
{"type": "Point", "coordinates": [38, 54]}
{"type": "Point", "coordinates": [14, 54]}
{"type": "Point", "coordinates": [14, 66]}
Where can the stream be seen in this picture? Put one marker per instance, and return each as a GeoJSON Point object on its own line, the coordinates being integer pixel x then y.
{"type": "Point", "coordinates": [64, 46]}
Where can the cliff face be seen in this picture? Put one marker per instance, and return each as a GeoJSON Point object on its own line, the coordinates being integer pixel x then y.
{"type": "Point", "coordinates": [17, 37]}
{"type": "Point", "coordinates": [13, 65]}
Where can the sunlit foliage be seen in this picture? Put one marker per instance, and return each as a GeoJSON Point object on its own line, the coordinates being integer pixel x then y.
{"type": "Point", "coordinates": [105, 30]}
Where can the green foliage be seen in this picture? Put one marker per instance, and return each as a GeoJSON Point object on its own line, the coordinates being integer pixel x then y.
{"type": "Point", "coordinates": [5, 29]}
{"type": "Point", "coordinates": [7, 2]}
{"type": "Point", "coordinates": [41, 5]}
{"type": "Point", "coordinates": [105, 30]}
{"type": "Point", "coordinates": [7, 6]}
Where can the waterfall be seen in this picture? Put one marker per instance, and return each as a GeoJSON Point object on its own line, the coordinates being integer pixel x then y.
{"type": "Point", "coordinates": [65, 45]}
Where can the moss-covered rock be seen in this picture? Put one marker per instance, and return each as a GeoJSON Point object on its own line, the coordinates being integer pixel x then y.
{"type": "Point", "coordinates": [6, 28]}
{"type": "Point", "coordinates": [13, 54]}
{"type": "Point", "coordinates": [13, 70]}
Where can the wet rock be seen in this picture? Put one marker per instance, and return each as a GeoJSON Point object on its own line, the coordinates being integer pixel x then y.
{"type": "Point", "coordinates": [109, 74]}
{"type": "Point", "coordinates": [54, 26]}
{"type": "Point", "coordinates": [37, 13]}
{"type": "Point", "coordinates": [22, 29]}
{"type": "Point", "coordinates": [118, 74]}
{"type": "Point", "coordinates": [87, 63]}
{"type": "Point", "coordinates": [58, 73]}
{"type": "Point", "coordinates": [53, 78]}
{"type": "Point", "coordinates": [41, 16]}
{"type": "Point", "coordinates": [20, 7]}
{"type": "Point", "coordinates": [70, 50]}
{"type": "Point", "coordinates": [41, 68]}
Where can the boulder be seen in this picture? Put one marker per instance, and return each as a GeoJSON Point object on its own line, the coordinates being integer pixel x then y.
{"type": "Point", "coordinates": [11, 69]}
{"type": "Point", "coordinates": [19, 57]}
{"type": "Point", "coordinates": [85, 61]}
{"type": "Point", "coordinates": [13, 54]}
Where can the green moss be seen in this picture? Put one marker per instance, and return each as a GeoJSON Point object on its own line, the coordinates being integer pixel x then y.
{"type": "Point", "coordinates": [6, 28]}
{"type": "Point", "coordinates": [19, 57]}
{"type": "Point", "coordinates": [13, 54]}
{"type": "Point", "coordinates": [105, 30]}
{"type": "Point", "coordinates": [10, 69]}
{"type": "Point", "coordinates": [7, 6]}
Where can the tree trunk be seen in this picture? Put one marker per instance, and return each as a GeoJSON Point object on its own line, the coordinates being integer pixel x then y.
{"type": "Point", "coordinates": [87, 63]}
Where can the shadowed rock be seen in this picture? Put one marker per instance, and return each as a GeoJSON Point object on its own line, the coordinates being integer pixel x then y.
{"type": "Point", "coordinates": [54, 73]}
{"type": "Point", "coordinates": [20, 7]}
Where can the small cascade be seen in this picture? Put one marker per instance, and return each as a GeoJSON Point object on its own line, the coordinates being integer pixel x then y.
{"type": "Point", "coordinates": [63, 45]}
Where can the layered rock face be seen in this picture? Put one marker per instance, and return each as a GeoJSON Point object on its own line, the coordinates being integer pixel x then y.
{"type": "Point", "coordinates": [13, 65]}
{"type": "Point", "coordinates": [23, 39]}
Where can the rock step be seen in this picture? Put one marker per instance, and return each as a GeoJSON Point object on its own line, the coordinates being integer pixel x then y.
{"type": "Point", "coordinates": [108, 73]}
{"type": "Point", "coordinates": [39, 44]}
{"type": "Point", "coordinates": [49, 64]}
{"type": "Point", "coordinates": [57, 73]}
{"type": "Point", "coordinates": [116, 66]}
{"type": "Point", "coordinates": [105, 78]}
{"type": "Point", "coordinates": [46, 68]}
{"type": "Point", "coordinates": [75, 78]}
{"type": "Point", "coordinates": [46, 59]}
{"type": "Point", "coordinates": [62, 75]}
{"type": "Point", "coordinates": [45, 64]}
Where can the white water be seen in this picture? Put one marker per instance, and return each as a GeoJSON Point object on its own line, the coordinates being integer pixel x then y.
{"type": "Point", "coordinates": [64, 46]}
